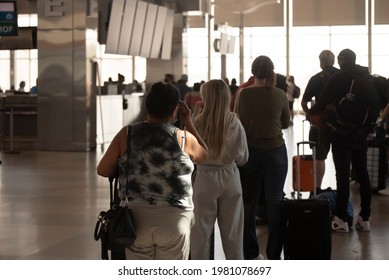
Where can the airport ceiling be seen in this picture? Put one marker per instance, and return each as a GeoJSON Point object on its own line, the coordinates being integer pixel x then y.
{"type": "Point", "coordinates": [232, 12]}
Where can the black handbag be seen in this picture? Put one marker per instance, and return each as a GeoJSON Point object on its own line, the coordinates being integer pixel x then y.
{"type": "Point", "coordinates": [116, 227]}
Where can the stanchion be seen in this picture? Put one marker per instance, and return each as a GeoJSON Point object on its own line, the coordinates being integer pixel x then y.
{"type": "Point", "coordinates": [11, 132]}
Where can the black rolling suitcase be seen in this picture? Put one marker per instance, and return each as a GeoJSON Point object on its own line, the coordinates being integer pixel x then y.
{"type": "Point", "coordinates": [376, 162]}
{"type": "Point", "coordinates": [307, 233]}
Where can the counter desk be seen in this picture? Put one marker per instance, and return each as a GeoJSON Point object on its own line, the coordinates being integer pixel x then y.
{"type": "Point", "coordinates": [116, 111]}
{"type": "Point", "coordinates": [18, 122]}
{"type": "Point", "coordinates": [19, 119]}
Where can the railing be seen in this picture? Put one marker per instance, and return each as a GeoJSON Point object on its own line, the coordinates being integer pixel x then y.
{"type": "Point", "coordinates": [19, 107]}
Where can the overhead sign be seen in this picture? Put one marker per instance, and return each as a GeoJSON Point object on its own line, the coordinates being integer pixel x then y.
{"type": "Point", "coordinates": [8, 19]}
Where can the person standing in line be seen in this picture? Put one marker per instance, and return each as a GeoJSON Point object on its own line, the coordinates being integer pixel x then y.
{"type": "Point", "coordinates": [183, 87]}
{"type": "Point", "coordinates": [192, 97]}
{"type": "Point", "coordinates": [293, 92]}
{"type": "Point", "coordinates": [349, 145]}
{"type": "Point", "coordinates": [169, 79]}
{"type": "Point", "coordinates": [320, 134]}
{"type": "Point", "coordinates": [159, 176]}
{"type": "Point", "coordinates": [233, 86]}
{"type": "Point", "coordinates": [264, 111]}
{"type": "Point", "coordinates": [217, 191]}
{"type": "Point", "coordinates": [235, 95]}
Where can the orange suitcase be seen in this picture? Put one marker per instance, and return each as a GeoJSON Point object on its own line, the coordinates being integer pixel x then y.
{"type": "Point", "coordinates": [304, 169]}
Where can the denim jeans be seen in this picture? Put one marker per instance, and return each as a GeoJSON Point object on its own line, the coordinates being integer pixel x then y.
{"type": "Point", "coordinates": [352, 149]}
{"type": "Point", "coordinates": [267, 169]}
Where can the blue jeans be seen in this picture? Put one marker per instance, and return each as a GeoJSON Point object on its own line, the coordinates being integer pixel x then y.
{"type": "Point", "coordinates": [267, 169]}
{"type": "Point", "coordinates": [346, 149]}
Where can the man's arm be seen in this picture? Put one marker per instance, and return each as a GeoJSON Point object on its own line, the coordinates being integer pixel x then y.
{"type": "Point", "coordinates": [332, 91]}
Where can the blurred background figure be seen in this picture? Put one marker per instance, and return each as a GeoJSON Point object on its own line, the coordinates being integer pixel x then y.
{"type": "Point", "coordinates": [193, 96]}
{"type": "Point", "coordinates": [233, 86]}
{"type": "Point", "coordinates": [22, 85]}
{"type": "Point", "coordinates": [169, 79]}
{"type": "Point", "coordinates": [293, 92]}
{"type": "Point", "coordinates": [182, 86]}
{"type": "Point", "coordinates": [34, 89]}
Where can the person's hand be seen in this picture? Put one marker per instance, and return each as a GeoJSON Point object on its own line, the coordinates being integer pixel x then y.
{"type": "Point", "coordinates": [185, 113]}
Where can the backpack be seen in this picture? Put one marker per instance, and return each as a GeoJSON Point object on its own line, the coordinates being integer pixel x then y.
{"type": "Point", "coordinates": [296, 92]}
{"type": "Point", "coordinates": [360, 106]}
{"type": "Point", "coordinates": [382, 85]}
{"type": "Point", "coordinates": [330, 195]}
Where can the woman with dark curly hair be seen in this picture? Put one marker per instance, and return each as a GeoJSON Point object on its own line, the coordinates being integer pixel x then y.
{"type": "Point", "coordinates": [158, 175]}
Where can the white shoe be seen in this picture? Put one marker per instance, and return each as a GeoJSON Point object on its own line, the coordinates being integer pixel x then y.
{"type": "Point", "coordinates": [384, 191]}
{"type": "Point", "coordinates": [362, 225]}
{"type": "Point", "coordinates": [339, 225]}
{"type": "Point", "coordinates": [259, 257]}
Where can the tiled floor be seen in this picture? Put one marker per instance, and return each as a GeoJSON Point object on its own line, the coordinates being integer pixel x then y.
{"type": "Point", "coordinates": [49, 202]}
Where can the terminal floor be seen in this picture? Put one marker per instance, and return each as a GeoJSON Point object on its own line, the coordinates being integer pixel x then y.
{"type": "Point", "coordinates": [49, 202]}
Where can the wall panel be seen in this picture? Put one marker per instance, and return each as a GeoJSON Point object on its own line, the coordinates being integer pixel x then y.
{"type": "Point", "coordinates": [328, 12]}
{"type": "Point", "coordinates": [381, 12]}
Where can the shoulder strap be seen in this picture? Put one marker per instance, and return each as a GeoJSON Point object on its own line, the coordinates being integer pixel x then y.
{"type": "Point", "coordinates": [129, 130]}
{"type": "Point", "coordinates": [352, 84]}
{"type": "Point", "coordinates": [183, 139]}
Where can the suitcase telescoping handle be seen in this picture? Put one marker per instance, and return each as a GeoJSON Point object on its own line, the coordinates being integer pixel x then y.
{"type": "Point", "coordinates": [313, 145]}
{"type": "Point", "coordinates": [303, 130]}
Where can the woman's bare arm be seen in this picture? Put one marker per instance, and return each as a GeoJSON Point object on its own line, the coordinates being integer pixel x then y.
{"type": "Point", "coordinates": [108, 164]}
{"type": "Point", "coordinates": [195, 147]}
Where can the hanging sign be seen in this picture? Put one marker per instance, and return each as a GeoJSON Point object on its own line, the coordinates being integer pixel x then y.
{"type": "Point", "coordinates": [8, 19]}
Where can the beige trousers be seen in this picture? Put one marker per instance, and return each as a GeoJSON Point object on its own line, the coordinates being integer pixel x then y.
{"type": "Point", "coordinates": [163, 233]}
{"type": "Point", "coordinates": [217, 194]}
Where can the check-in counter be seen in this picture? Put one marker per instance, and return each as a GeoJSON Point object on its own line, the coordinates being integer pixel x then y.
{"type": "Point", "coordinates": [18, 122]}
{"type": "Point", "coordinates": [116, 111]}
{"type": "Point", "coordinates": [19, 119]}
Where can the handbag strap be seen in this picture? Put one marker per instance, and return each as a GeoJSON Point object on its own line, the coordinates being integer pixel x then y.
{"type": "Point", "coordinates": [129, 129]}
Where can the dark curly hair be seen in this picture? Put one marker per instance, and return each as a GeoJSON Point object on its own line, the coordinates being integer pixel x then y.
{"type": "Point", "coordinates": [162, 100]}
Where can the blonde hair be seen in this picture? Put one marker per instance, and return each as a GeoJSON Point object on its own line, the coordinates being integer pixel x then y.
{"type": "Point", "coordinates": [327, 58]}
{"type": "Point", "coordinates": [214, 120]}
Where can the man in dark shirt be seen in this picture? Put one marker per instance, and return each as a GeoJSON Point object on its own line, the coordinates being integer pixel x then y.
{"type": "Point", "coordinates": [351, 146]}
{"type": "Point", "coordinates": [183, 87]}
{"type": "Point", "coordinates": [320, 135]}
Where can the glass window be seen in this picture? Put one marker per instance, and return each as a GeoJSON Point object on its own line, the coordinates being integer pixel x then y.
{"type": "Point", "coordinates": [269, 41]}
{"type": "Point", "coordinates": [5, 66]}
{"type": "Point", "coordinates": [111, 65]}
{"type": "Point", "coordinates": [25, 20]}
{"type": "Point", "coordinates": [28, 74]}
{"type": "Point", "coordinates": [197, 52]}
{"type": "Point", "coordinates": [140, 69]}
{"type": "Point", "coordinates": [25, 61]}
{"type": "Point", "coordinates": [380, 59]}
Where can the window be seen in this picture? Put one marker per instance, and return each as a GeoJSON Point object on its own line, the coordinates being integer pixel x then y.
{"type": "Point", "coordinates": [19, 60]}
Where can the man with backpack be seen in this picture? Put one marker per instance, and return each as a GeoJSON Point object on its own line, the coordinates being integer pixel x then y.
{"type": "Point", "coordinates": [353, 95]}
{"type": "Point", "coordinates": [320, 135]}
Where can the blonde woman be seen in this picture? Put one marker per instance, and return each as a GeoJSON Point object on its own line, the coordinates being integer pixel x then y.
{"type": "Point", "coordinates": [217, 191]}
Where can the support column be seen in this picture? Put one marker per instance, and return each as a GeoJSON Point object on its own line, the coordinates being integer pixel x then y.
{"type": "Point", "coordinates": [67, 41]}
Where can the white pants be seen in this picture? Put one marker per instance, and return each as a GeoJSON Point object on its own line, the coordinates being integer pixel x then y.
{"type": "Point", "coordinates": [217, 193]}
{"type": "Point", "coordinates": [163, 233]}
